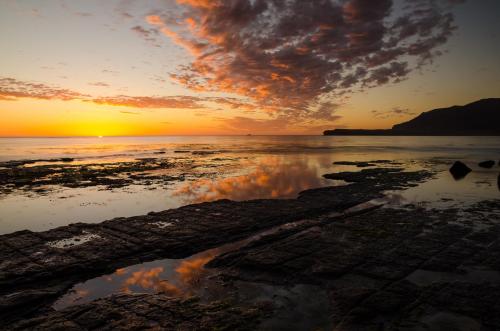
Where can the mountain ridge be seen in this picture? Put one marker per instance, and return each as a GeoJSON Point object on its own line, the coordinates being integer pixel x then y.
{"type": "Point", "coordinates": [479, 118]}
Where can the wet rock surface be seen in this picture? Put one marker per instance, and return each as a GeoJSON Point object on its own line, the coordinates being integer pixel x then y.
{"type": "Point", "coordinates": [382, 268]}
{"type": "Point", "coordinates": [390, 269]}
{"type": "Point", "coordinates": [36, 267]}
{"type": "Point", "coordinates": [365, 164]}
{"type": "Point", "coordinates": [487, 164]}
{"type": "Point", "coordinates": [459, 170]}
{"type": "Point", "coordinates": [16, 174]}
{"type": "Point", "coordinates": [357, 164]}
{"type": "Point", "coordinates": [147, 312]}
{"type": "Point", "coordinates": [381, 178]}
{"type": "Point", "coordinates": [42, 175]}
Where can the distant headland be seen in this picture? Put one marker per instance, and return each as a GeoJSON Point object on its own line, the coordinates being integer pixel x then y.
{"type": "Point", "coordinates": [480, 118]}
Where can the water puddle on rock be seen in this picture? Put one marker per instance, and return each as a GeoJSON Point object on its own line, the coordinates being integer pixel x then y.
{"type": "Point", "coordinates": [74, 241]}
{"type": "Point", "coordinates": [175, 277]}
{"type": "Point", "coordinates": [307, 306]}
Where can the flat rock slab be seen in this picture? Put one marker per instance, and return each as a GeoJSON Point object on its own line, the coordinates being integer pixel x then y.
{"type": "Point", "coordinates": [365, 164]}
{"type": "Point", "coordinates": [146, 312]}
{"type": "Point", "coordinates": [390, 269]}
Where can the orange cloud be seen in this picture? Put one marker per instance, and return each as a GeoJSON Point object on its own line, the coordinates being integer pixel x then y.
{"type": "Point", "coordinates": [185, 102]}
{"type": "Point", "coordinates": [99, 84]}
{"type": "Point", "coordinates": [294, 56]}
{"type": "Point", "coordinates": [193, 47]}
{"type": "Point", "coordinates": [154, 20]}
{"type": "Point", "coordinates": [12, 89]}
{"type": "Point", "coordinates": [201, 3]}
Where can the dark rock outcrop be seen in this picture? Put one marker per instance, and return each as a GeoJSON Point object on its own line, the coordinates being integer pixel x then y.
{"type": "Point", "coordinates": [360, 164]}
{"type": "Point", "coordinates": [357, 132]}
{"type": "Point", "coordinates": [390, 269]}
{"type": "Point", "coordinates": [459, 170]}
{"type": "Point", "coordinates": [147, 312]}
{"type": "Point", "coordinates": [487, 164]}
{"type": "Point", "coordinates": [365, 164]}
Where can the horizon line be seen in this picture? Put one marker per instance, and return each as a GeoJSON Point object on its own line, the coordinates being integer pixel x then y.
{"type": "Point", "coordinates": [166, 135]}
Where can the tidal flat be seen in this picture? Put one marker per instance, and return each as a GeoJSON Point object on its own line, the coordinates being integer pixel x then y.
{"type": "Point", "coordinates": [298, 235]}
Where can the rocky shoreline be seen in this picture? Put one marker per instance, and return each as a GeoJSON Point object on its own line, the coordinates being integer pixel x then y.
{"type": "Point", "coordinates": [42, 175]}
{"type": "Point", "coordinates": [371, 262]}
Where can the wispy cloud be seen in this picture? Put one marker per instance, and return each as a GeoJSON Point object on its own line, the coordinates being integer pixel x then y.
{"type": "Point", "coordinates": [146, 34]}
{"type": "Point", "coordinates": [109, 71]}
{"type": "Point", "coordinates": [99, 84]}
{"type": "Point", "coordinates": [129, 112]}
{"type": "Point", "coordinates": [12, 89]}
{"type": "Point", "coordinates": [83, 14]}
{"type": "Point", "coordinates": [185, 102]}
{"type": "Point", "coordinates": [394, 112]}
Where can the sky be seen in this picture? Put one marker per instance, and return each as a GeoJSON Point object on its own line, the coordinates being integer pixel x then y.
{"type": "Point", "coordinates": [210, 67]}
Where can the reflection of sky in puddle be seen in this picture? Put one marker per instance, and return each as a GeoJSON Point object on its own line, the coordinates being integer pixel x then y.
{"type": "Point", "coordinates": [172, 277]}
{"type": "Point", "coordinates": [176, 277]}
{"type": "Point", "coordinates": [307, 306]}
{"type": "Point", "coordinates": [243, 168]}
{"type": "Point", "coordinates": [444, 191]}
{"type": "Point", "coordinates": [264, 177]}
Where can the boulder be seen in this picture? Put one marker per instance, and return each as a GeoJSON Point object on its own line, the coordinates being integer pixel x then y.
{"type": "Point", "coordinates": [487, 164]}
{"type": "Point", "coordinates": [459, 170]}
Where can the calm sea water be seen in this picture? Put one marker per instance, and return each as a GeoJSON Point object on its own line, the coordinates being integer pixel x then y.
{"type": "Point", "coordinates": [239, 168]}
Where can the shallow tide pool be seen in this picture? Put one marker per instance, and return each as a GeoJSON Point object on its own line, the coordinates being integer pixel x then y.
{"type": "Point", "coordinates": [238, 168]}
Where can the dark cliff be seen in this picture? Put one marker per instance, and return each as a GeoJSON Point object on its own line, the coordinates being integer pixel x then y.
{"type": "Point", "coordinates": [481, 118]}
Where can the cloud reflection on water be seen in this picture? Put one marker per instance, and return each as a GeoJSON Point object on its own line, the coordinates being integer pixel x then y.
{"type": "Point", "coordinates": [150, 279]}
{"type": "Point", "coordinates": [187, 277]}
{"type": "Point", "coordinates": [271, 177]}
{"type": "Point", "coordinates": [191, 271]}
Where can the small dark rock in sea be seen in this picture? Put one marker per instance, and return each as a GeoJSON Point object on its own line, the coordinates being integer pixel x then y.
{"type": "Point", "coordinates": [459, 170]}
{"type": "Point", "coordinates": [487, 164]}
{"type": "Point", "coordinates": [202, 152]}
{"type": "Point", "coordinates": [67, 159]}
{"type": "Point", "coordinates": [146, 159]}
{"type": "Point", "coordinates": [357, 164]}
